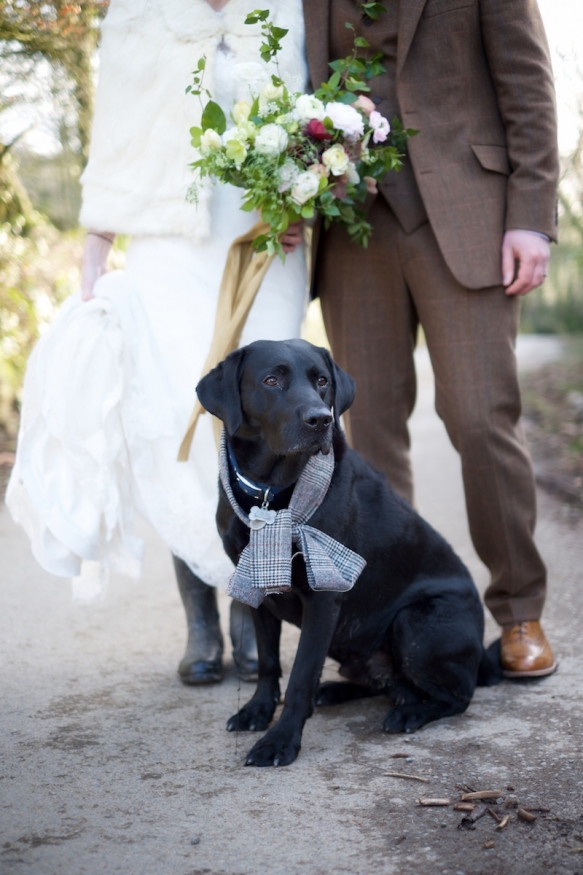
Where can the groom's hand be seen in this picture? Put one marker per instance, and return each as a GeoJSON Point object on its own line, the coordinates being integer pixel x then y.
{"type": "Point", "coordinates": [525, 259]}
{"type": "Point", "coordinates": [293, 237]}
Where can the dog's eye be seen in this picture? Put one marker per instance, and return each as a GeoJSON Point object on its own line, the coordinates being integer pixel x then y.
{"type": "Point", "coordinates": [322, 381]}
{"type": "Point", "coordinates": [271, 381]}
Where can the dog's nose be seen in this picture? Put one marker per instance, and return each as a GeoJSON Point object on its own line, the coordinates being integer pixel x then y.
{"type": "Point", "coordinates": [317, 418]}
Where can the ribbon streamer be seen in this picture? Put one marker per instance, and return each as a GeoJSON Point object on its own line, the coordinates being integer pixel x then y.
{"type": "Point", "coordinates": [242, 278]}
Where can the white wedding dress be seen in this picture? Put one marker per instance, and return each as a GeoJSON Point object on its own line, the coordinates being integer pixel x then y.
{"type": "Point", "coordinates": [108, 393]}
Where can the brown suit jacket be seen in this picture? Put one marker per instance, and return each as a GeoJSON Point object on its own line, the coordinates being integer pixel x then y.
{"type": "Point", "coordinates": [474, 78]}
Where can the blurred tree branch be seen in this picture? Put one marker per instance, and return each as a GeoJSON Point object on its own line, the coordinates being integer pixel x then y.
{"type": "Point", "coordinates": [65, 35]}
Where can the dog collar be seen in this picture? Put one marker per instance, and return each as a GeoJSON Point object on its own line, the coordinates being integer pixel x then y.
{"type": "Point", "coordinates": [259, 491]}
{"type": "Point", "coordinates": [265, 565]}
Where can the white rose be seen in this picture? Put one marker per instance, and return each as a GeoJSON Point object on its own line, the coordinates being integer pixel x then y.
{"type": "Point", "coordinates": [241, 111]}
{"type": "Point", "coordinates": [308, 107]}
{"type": "Point", "coordinates": [288, 173]}
{"type": "Point", "coordinates": [336, 160]}
{"type": "Point", "coordinates": [271, 140]}
{"type": "Point", "coordinates": [306, 186]}
{"type": "Point", "coordinates": [270, 92]}
{"type": "Point", "coordinates": [346, 119]}
{"type": "Point", "coordinates": [240, 133]}
{"type": "Point", "coordinates": [210, 142]}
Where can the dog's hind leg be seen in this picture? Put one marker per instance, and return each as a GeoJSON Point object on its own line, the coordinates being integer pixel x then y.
{"type": "Point", "coordinates": [337, 692]}
{"type": "Point", "coordinates": [257, 714]}
{"type": "Point", "coordinates": [436, 647]}
{"type": "Point", "coordinates": [410, 717]}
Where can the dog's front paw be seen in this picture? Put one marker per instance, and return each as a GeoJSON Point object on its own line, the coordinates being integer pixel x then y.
{"type": "Point", "coordinates": [275, 749]}
{"type": "Point", "coordinates": [253, 717]}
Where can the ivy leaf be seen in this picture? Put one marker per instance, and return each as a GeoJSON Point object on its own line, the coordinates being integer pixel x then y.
{"type": "Point", "coordinates": [213, 117]}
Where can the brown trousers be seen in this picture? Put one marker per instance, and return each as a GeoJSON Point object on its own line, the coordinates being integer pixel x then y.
{"type": "Point", "coordinates": [373, 301]}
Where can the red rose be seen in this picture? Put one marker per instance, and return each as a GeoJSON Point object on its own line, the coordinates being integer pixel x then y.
{"type": "Point", "coordinates": [317, 130]}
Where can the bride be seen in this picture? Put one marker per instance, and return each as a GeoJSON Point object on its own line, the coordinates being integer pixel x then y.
{"type": "Point", "coordinates": [109, 388]}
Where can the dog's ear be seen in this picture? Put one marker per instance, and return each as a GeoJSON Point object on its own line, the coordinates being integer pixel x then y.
{"type": "Point", "coordinates": [344, 387]}
{"type": "Point", "coordinates": [220, 394]}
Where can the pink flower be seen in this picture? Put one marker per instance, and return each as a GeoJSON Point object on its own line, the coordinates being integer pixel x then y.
{"type": "Point", "coordinates": [317, 130]}
{"type": "Point", "coordinates": [365, 104]}
{"type": "Point", "coordinates": [380, 126]}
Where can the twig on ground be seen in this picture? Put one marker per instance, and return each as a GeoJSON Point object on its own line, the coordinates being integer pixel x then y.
{"type": "Point", "coordinates": [408, 777]}
{"type": "Point", "coordinates": [503, 822]}
{"type": "Point", "coordinates": [481, 794]}
{"type": "Point", "coordinates": [464, 806]}
{"type": "Point", "coordinates": [526, 815]}
{"type": "Point", "coordinates": [434, 803]}
{"type": "Point", "coordinates": [468, 821]}
{"type": "Point", "coordinates": [493, 814]}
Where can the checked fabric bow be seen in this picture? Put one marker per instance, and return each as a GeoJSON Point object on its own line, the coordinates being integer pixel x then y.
{"type": "Point", "coordinates": [265, 565]}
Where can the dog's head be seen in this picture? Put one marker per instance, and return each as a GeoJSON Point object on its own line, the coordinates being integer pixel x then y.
{"type": "Point", "coordinates": [287, 392]}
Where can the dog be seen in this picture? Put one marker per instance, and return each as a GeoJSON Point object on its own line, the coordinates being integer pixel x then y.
{"type": "Point", "coordinates": [412, 625]}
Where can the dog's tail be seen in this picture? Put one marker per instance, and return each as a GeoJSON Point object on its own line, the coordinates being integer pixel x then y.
{"type": "Point", "coordinates": [490, 668]}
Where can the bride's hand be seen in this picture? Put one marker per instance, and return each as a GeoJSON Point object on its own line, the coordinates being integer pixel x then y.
{"type": "Point", "coordinates": [293, 237]}
{"type": "Point", "coordinates": [94, 263]}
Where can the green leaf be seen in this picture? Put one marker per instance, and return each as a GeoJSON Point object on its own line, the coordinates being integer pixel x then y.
{"type": "Point", "coordinates": [334, 80]}
{"type": "Point", "coordinates": [257, 15]}
{"type": "Point", "coordinates": [307, 212]}
{"type": "Point", "coordinates": [201, 63]}
{"type": "Point", "coordinates": [361, 43]}
{"type": "Point", "coordinates": [339, 66]}
{"type": "Point", "coordinates": [213, 117]}
{"type": "Point", "coordinates": [195, 134]}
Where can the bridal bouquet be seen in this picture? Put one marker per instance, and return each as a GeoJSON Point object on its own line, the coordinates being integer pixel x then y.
{"type": "Point", "coordinates": [297, 155]}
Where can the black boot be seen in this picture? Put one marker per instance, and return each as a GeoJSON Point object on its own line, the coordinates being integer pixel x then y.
{"type": "Point", "coordinates": [243, 640]}
{"type": "Point", "coordinates": [202, 662]}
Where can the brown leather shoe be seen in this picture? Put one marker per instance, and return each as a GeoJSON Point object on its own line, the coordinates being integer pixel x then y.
{"type": "Point", "coordinates": [525, 651]}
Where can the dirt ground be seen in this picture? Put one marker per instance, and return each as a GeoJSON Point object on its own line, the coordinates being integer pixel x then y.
{"type": "Point", "coordinates": [553, 420]}
{"type": "Point", "coordinates": [110, 765]}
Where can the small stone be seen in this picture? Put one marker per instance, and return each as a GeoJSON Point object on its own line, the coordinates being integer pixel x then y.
{"type": "Point", "coordinates": [511, 802]}
{"type": "Point", "coordinates": [195, 840]}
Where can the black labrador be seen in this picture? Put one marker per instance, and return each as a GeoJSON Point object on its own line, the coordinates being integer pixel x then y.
{"type": "Point", "coordinates": [412, 625]}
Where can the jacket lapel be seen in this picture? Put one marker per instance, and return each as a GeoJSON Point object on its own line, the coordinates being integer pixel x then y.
{"type": "Point", "coordinates": [317, 22]}
{"type": "Point", "coordinates": [409, 15]}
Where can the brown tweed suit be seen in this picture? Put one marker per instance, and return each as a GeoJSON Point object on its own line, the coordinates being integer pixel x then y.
{"type": "Point", "coordinates": [474, 77]}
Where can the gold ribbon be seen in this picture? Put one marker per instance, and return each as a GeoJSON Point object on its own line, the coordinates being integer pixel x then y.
{"type": "Point", "coordinates": [242, 278]}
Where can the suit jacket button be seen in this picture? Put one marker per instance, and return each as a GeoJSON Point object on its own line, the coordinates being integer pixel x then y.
{"type": "Point", "coordinates": [366, 21]}
{"type": "Point", "coordinates": [376, 99]}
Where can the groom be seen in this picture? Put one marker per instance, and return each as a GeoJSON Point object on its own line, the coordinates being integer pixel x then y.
{"type": "Point", "coordinates": [459, 235]}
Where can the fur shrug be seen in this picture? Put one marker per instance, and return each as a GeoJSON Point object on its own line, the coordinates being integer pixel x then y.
{"type": "Point", "coordinates": [137, 176]}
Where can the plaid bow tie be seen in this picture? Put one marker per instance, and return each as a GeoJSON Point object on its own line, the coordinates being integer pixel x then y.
{"type": "Point", "coordinates": [265, 565]}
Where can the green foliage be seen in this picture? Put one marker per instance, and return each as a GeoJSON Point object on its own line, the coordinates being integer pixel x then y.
{"type": "Point", "coordinates": [557, 306]}
{"type": "Point", "coordinates": [371, 10]}
{"type": "Point", "coordinates": [272, 35]}
{"type": "Point", "coordinates": [213, 117]}
{"type": "Point", "coordinates": [63, 33]}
